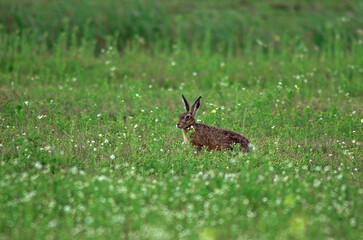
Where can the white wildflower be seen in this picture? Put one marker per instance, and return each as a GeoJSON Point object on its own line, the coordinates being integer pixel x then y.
{"type": "Point", "coordinates": [37, 165]}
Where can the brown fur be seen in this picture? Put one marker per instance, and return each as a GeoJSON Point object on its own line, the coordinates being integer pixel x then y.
{"type": "Point", "coordinates": [210, 137]}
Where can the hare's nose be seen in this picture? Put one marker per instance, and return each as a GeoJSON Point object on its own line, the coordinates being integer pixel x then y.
{"type": "Point", "coordinates": [177, 125]}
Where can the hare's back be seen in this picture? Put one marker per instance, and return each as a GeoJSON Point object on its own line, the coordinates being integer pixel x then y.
{"type": "Point", "coordinates": [220, 136]}
{"type": "Point", "coordinates": [235, 138]}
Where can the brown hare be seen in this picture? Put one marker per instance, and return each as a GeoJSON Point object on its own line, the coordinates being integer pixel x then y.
{"type": "Point", "coordinates": [210, 137]}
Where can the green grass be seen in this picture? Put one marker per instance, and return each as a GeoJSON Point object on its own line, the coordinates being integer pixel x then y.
{"type": "Point", "coordinates": [89, 148]}
{"type": "Point", "coordinates": [227, 22]}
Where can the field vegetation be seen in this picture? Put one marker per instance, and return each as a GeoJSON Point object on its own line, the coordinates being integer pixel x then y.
{"type": "Point", "coordinates": [90, 92]}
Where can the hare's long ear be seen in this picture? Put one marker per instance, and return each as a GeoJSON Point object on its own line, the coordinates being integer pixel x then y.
{"type": "Point", "coordinates": [196, 106]}
{"type": "Point", "coordinates": [186, 104]}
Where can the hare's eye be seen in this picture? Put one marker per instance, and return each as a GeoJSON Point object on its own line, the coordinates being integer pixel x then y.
{"type": "Point", "coordinates": [187, 117]}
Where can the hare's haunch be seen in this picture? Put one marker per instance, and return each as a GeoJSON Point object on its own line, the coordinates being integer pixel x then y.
{"type": "Point", "coordinates": [210, 137]}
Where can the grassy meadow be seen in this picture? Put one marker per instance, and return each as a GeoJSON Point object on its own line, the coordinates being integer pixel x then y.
{"type": "Point", "coordinates": [90, 92]}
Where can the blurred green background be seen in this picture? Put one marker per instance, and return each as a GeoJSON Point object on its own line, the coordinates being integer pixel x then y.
{"type": "Point", "coordinates": [224, 23]}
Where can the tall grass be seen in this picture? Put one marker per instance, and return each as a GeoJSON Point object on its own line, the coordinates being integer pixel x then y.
{"type": "Point", "coordinates": [229, 23]}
